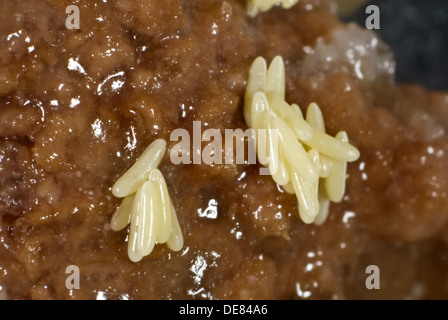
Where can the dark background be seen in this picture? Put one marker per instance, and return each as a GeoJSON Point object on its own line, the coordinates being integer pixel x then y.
{"type": "Point", "coordinates": [417, 33]}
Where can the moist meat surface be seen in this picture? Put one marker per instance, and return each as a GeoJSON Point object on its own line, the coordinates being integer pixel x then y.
{"type": "Point", "coordinates": [77, 107]}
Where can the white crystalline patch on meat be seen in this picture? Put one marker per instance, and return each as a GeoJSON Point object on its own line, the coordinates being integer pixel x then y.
{"type": "Point", "coordinates": [352, 50]}
{"type": "Point", "coordinates": [358, 52]}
